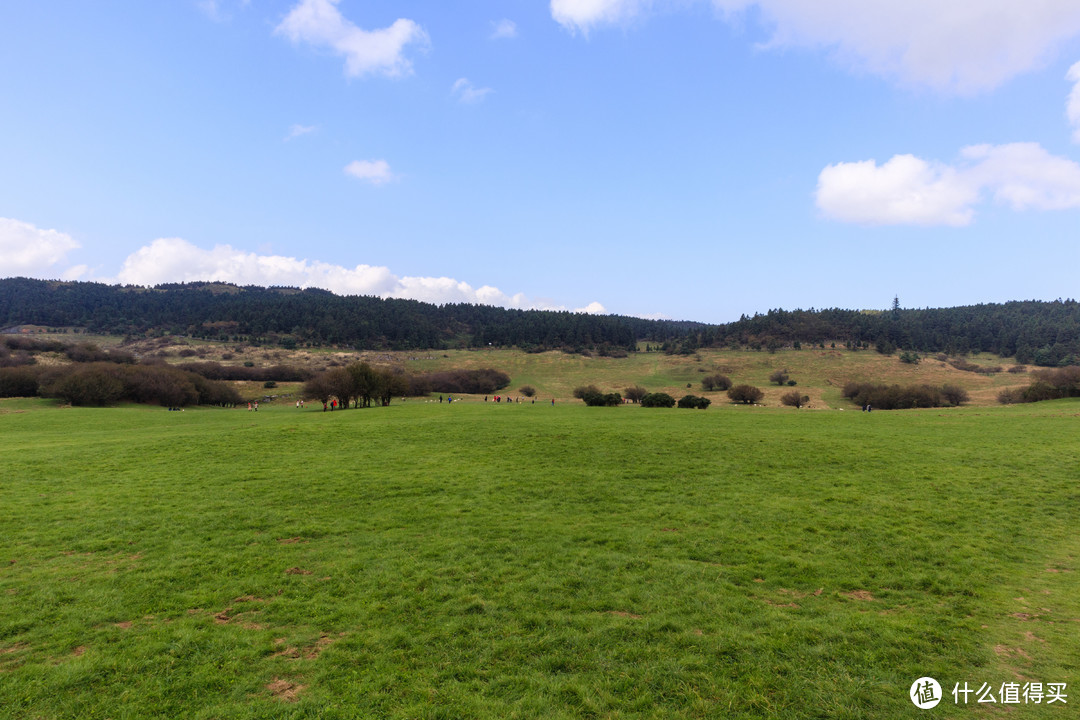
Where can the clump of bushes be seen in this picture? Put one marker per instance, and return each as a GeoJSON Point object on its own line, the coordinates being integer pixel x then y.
{"type": "Point", "coordinates": [105, 383]}
{"type": "Point", "coordinates": [28, 344]}
{"type": "Point", "coordinates": [910, 358]}
{"type": "Point", "coordinates": [963, 364]}
{"type": "Point", "coordinates": [15, 359]}
{"type": "Point", "coordinates": [1017, 369]}
{"type": "Point", "coordinates": [582, 390]}
{"type": "Point", "coordinates": [599, 399]}
{"type": "Point", "coordinates": [715, 382]}
{"type": "Point", "coordinates": [658, 400]}
{"type": "Point", "coordinates": [745, 394]}
{"type": "Point", "coordinates": [635, 394]}
{"type": "Point", "coordinates": [694, 402]}
{"type": "Point", "coordinates": [217, 371]}
{"type": "Point", "coordinates": [89, 353]}
{"type": "Point", "coordinates": [475, 382]}
{"type": "Point", "coordinates": [780, 377]}
{"type": "Point", "coordinates": [19, 381]}
{"type": "Point", "coordinates": [896, 397]}
{"type": "Point", "coordinates": [1050, 384]}
{"type": "Point", "coordinates": [794, 399]}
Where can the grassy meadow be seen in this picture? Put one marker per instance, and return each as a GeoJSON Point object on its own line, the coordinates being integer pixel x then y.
{"type": "Point", "coordinates": [534, 561]}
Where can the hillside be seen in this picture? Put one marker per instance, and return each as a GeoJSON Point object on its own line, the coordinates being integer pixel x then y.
{"type": "Point", "coordinates": [1032, 332]}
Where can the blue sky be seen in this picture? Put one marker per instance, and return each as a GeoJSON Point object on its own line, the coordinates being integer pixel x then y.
{"type": "Point", "coordinates": [687, 159]}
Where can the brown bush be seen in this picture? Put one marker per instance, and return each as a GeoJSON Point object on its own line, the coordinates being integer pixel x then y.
{"type": "Point", "coordinates": [745, 394]}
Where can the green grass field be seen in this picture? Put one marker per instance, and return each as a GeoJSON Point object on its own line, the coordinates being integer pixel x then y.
{"type": "Point", "coordinates": [530, 561]}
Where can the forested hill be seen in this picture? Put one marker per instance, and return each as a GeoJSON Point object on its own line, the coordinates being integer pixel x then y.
{"type": "Point", "coordinates": [1044, 333]}
{"type": "Point", "coordinates": [221, 311]}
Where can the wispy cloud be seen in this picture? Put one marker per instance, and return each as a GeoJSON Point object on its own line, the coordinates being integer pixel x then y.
{"type": "Point", "coordinates": [375, 172]}
{"type": "Point", "coordinates": [466, 92]}
{"type": "Point", "coordinates": [503, 29]}
{"type": "Point", "coordinates": [1072, 107]}
{"type": "Point", "coordinates": [213, 9]}
{"type": "Point", "coordinates": [319, 23]}
{"type": "Point", "coordinates": [954, 47]}
{"type": "Point", "coordinates": [296, 131]}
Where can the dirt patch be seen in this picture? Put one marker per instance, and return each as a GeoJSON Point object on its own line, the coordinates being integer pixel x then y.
{"type": "Point", "coordinates": [864, 595]}
{"type": "Point", "coordinates": [1058, 570]}
{"type": "Point", "coordinates": [289, 652]}
{"type": "Point", "coordinates": [297, 571]}
{"type": "Point", "coordinates": [17, 647]}
{"type": "Point", "coordinates": [623, 613]}
{"type": "Point", "coordinates": [78, 652]}
{"type": "Point", "coordinates": [316, 649]}
{"type": "Point", "coordinates": [770, 603]}
{"type": "Point", "coordinates": [1032, 637]}
{"type": "Point", "coordinates": [285, 690]}
{"type": "Point", "coordinates": [1007, 652]}
{"type": "Point", "coordinates": [291, 541]}
{"type": "Point", "coordinates": [1024, 617]}
{"type": "Point", "coordinates": [126, 625]}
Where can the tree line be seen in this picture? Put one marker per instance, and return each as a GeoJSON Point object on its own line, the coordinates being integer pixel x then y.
{"type": "Point", "coordinates": [293, 317]}
{"type": "Point", "coordinates": [1032, 332]}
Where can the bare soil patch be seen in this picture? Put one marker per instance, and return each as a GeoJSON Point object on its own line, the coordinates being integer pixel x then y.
{"type": "Point", "coordinates": [859, 595]}
{"type": "Point", "coordinates": [285, 690]}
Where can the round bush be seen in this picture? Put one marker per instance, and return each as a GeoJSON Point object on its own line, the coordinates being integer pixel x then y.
{"type": "Point", "coordinates": [658, 400]}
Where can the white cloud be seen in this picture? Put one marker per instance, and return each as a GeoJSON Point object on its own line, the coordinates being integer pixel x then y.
{"type": "Point", "coordinates": [319, 23]}
{"type": "Point", "coordinates": [593, 308]}
{"type": "Point", "coordinates": [28, 250]}
{"type": "Point", "coordinates": [176, 260]}
{"type": "Point", "coordinates": [1072, 107]}
{"type": "Point", "coordinates": [296, 131]}
{"type": "Point", "coordinates": [581, 15]}
{"type": "Point", "coordinates": [954, 46]}
{"type": "Point", "coordinates": [908, 190]}
{"type": "Point", "coordinates": [503, 29]}
{"type": "Point", "coordinates": [904, 190]}
{"type": "Point", "coordinates": [1025, 176]}
{"type": "Point", "coordinates": [375, 172]}
{"type": "Point", "coordinates": [466, 92]}
{"type": "Point", "coordinates": [962, 46]}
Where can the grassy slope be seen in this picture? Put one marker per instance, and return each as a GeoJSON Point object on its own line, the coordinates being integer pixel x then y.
{"type": "Point", "coordinates": [820, 373]}
{"type": "Point", "coordinates": [490, 561]}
